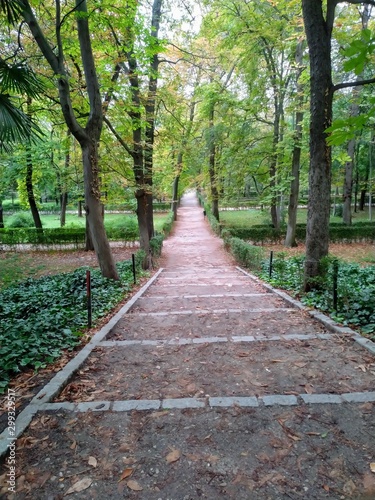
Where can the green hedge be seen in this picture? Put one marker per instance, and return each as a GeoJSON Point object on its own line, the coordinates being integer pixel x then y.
{"type": "Point", "coordinates": [337, 233]}
{"type": "Point", "coordinates": [61, 236]}
{"type": "Point", "coordinates": [249, 256]}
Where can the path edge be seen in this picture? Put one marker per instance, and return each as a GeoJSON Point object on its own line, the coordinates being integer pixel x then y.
{"type": "Point", "coordinates": [54, 386]}
{"type": "Point", "coordinates": [328, 322]}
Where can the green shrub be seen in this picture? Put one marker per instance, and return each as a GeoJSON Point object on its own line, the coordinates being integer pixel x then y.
{"type": "Point", "coordinates": [20, 219]}
{"type": "Point", "coordinates": [168, 224]}
{"type": "Point", "coordinates": [156, 245]}
{"type": "Point", "coordinates": [247, 255]}
{"type": "Point", "coordinates": [125, 229]}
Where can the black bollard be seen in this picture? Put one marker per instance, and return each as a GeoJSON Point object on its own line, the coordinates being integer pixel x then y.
{"type": "Point", "coordinates": [133, 263]}
{"type": "Point", "coordinates": [335, 278]}
{"type": "Point", "coordinates": [271, 262]}
{"type": "Point", "coordinates": [88, 294]}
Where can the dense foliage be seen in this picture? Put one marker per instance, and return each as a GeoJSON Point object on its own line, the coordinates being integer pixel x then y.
{"type": "Point", "coordinates": [41, 317]}
{"type": "Point", "coordinates": [355, 289]}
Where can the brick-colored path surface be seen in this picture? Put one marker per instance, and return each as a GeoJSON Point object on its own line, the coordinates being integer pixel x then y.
{"type": "Point", "coordinates": [208, 385]}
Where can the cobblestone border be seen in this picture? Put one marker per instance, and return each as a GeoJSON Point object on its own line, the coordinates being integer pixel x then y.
{"type": "Point", "coordinates": [54, 386]}
{"type": "Point", "coordinates": [212, 402]}
{"type": "Point", "coordinates": [328, 322]}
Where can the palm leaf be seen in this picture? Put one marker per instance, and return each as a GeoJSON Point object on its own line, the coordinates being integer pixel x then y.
{"type": "Point", "coordinates": [12, 9]}
{"type": "Point", "coordinates": [19, 79]}
{"type": "Point", "coordinates": [15, 125]}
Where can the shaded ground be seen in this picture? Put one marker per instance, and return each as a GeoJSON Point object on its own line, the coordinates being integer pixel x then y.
{"type": "Point", "coordinates": [237, 388]}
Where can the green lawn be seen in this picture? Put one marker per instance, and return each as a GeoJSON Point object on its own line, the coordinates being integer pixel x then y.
{"type": "Point", "coordinates": [52, 221]}
{"type": "Point", "coordinates": [244, 218]}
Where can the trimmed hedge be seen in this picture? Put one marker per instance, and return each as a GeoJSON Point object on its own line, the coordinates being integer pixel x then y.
{"type": "Point", "coordinates": [338, 232]}
{"type": "Point", "coordinates": [249, 256]}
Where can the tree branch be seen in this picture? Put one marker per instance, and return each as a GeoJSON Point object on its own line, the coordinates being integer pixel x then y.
{"type": "Point", "coordinates": [357, 83]}
{"type": "Point", "coordinates": [118, 136]}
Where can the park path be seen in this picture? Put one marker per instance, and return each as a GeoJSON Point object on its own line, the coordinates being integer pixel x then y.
{"type": "Point", "coordinates": [207, 384]}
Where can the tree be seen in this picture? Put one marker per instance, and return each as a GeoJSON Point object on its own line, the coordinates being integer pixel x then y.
{"type": "Point", "coordinates": [141, 110]}
{"type": "Point", "coordinates": [290, 238]}
{"type": "Point", "coordinates": [318, 26]}
{"type": "Point", "coordinates": [88, 136]}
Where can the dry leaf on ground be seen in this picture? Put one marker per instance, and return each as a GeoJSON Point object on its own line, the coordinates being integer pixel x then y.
{"type": "Point", "coordinates": [173, 456]}
{"type": "Point", "coordinates": [126, 473]}
{"type": "Point", "coordinates": [80, 485]}
{"type": "Point", "coordinates": [134, 485]}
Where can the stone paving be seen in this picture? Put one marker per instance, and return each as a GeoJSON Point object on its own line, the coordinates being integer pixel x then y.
{"type": "Point", "coordinates": [204, 336]}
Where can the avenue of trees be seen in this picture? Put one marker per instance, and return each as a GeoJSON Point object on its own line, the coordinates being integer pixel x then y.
{"type": "Point", "coordinates": [265, 100]}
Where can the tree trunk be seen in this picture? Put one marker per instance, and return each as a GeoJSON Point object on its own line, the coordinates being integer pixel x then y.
{"type": "Point", "coordinates": [143, 225]}
{"type": "Point", "coordinates": [175, 197]}
{"type": "Point", "coordinates": [94, 210]}
{"type": "Point", "coordinates": [212, 168]}
{"type": "Point", "coordinates": [318, 33]}
{"type": "Point", "coordinates": [89, 135]}
{"type": "Point", "coordinates": [175, 186]}
{"type": "Point", "coordinates": [1, 215]}
{"type": "Point", "coordinates": [349, 166]}
{"type": "Point", "coordinates": [30, 190]}
{"type": "Point", "coordinates": [290, 238]}
{"type": "Point", "coordinates": [64, 202]}
{"type": "Point", "coordinates": [348, 184]}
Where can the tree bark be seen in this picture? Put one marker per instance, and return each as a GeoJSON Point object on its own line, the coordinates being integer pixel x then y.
{"type": "Point", "coordinates": [1, 215]}
{"type": "Point", "coordinates": [290, 238]}
{"type": "Point", "coordinates": [318, 32]}
{"type": "Point", "coordinates": [30, 190]}
{"type": "Point", "coordinates": [212, 166]}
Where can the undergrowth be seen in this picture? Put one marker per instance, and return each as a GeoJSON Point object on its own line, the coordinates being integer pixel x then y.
{"type": "Point", "coordinates": [41, 317]}
{"type": "Point", "coordinates": [355, 289]}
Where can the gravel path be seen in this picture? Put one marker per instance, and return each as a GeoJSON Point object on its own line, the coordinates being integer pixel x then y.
{"type": "Point", "coordinates": [208, 384]}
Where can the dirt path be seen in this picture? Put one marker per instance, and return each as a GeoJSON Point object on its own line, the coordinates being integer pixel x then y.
{"type": "Point", "coordinates": [207, 385]}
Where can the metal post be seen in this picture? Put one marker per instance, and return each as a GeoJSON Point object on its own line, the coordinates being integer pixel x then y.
{"type": "Point", "coordinates": [271, 261]}
{"type": "Point", "coordinates": [89, 304]}
{"type": "Point", "coordinates": [134, 274]}
{"type": "Point", "coordinates": [335, 276]}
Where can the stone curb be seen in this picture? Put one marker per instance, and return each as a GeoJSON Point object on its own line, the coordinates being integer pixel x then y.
{"type": "Point", "coordinates": [328, 322]}
{"type": "Point", "coordinates": [54, 386]}
{"type": "Point", "coordinates": [213, 340]}
{"type": "Point", "coordinates": [28, 413]}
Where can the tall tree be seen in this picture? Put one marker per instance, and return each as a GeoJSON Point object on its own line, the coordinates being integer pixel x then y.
{"type": "Point", "coordinates": [318, 26]}
{"type": "Point", "coordinates": [88, 136]}
{"type": "Point", "coordinates": [141, 110]}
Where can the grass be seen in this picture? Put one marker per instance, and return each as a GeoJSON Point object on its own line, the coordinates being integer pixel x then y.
{"type": "Point", "coordinates": [245, 218]}
{"type": "Point", "coordinates": [53, 220]}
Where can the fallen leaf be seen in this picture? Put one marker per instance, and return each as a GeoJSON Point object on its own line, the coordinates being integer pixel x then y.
{"type": "Point", "coordinates": [93, 461]}
{"type": "Point", "coordinates": [313, 433]}
{"type": "Point", "coordinates": [309, 389]}
{"type": "Point", "coordinates": [73, 445]}
{"type": "Point", "coordinates": [369, 483]}
{"type": "Point", "coordinates": [258, 384]}
{"type": "Point", "coordinates": [126, 473]}
{"type": "Point", "coordinates": [326, 487]}
{"type": "Point", "coordinates": [349, 487]}
{"type": "Point", "coordinates": [173, 456]}
{"type": "Point", "coordinates": [80, 485]}
{"type": "Point", "coordinates": [372, 467]}
{"type": "Point", "coordinates": [362, 367]}
{"type": "Point", "coordinates": [134, 485]}
{"type": "Point", "coordinates": [278, 360]}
